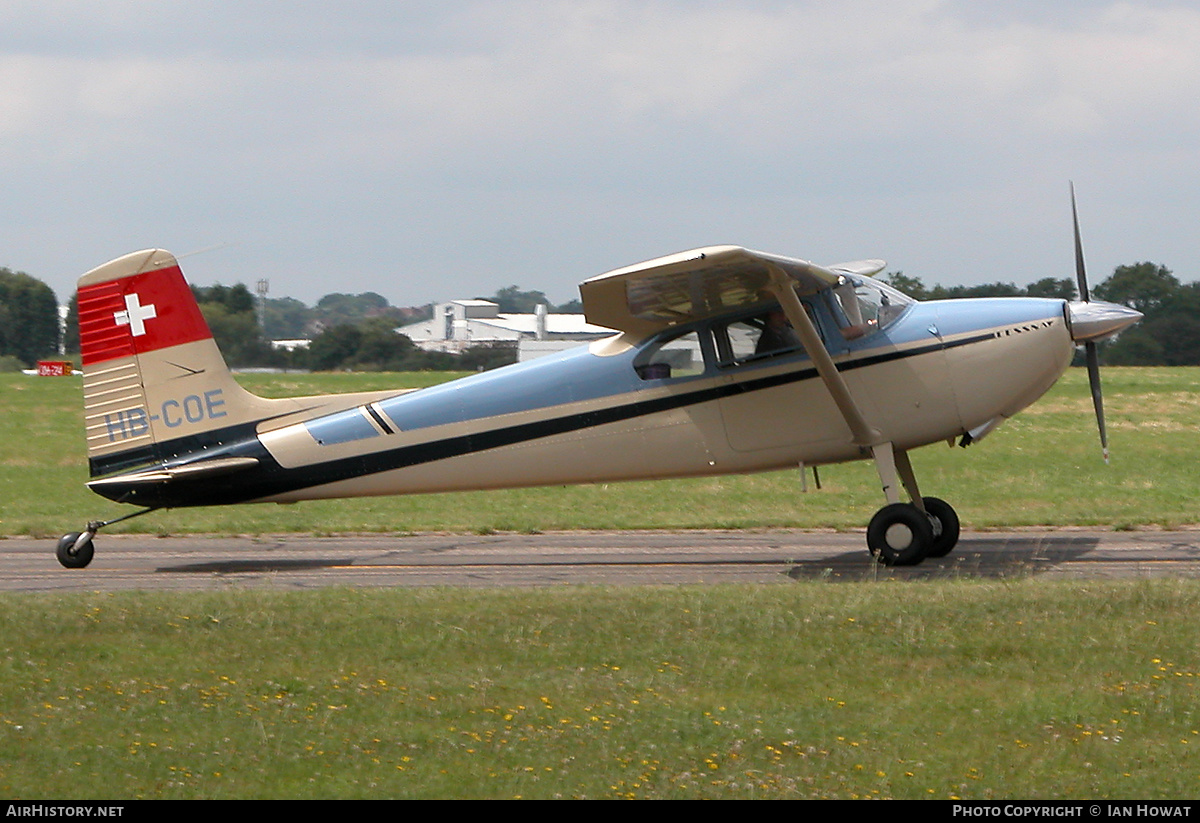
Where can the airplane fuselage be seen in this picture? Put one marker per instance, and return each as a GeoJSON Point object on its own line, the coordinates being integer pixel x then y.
{"type": "Point", "coordinates": [621, 409]}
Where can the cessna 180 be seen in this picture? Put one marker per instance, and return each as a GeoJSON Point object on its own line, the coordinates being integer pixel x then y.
{"type": "Point", "coordinates": [723, 360]}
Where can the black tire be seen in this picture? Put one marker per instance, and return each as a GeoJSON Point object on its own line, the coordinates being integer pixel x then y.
{"type": "Point", "coordinates": [71, 557]}
{"type": "Point", "coordinates": [945, 526]}
{"type": "Point", "coordinates": [899, 535]}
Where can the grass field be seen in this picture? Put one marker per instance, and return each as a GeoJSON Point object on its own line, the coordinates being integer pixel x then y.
{"type": "Point", "coordinates": [969, 688]}
{"type": "Point", "coordinates": [1041, 468]}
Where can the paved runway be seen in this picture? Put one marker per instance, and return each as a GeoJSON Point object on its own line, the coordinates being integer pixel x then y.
{"type": "Point", "coordinates": [560, 558]}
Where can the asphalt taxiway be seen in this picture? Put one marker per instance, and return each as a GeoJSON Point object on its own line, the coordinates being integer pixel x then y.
{"type": "Point", "coordinates": [125, 562]}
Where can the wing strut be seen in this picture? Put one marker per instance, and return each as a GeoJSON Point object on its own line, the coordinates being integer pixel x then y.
{"type": "Point", "coordinates": [891, 463]}
{"type": "Point", "coordinates": [781, 285]}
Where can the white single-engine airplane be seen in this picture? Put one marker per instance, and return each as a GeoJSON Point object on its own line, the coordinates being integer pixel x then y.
{"type": "Point", "coordinates": [724, 360]}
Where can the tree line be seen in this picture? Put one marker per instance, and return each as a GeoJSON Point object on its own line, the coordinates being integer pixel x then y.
{"type": "Point", "coordinates": [360, 331]}
{"type": "Point", "coordinates": [28, 320]}
{"type": "Point", "coordinates": [342, 331]}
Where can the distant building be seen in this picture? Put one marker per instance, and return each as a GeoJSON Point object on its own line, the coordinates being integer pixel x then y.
{"type": "Point", "coordinates": [290, 345]}
{"type": "Point", "coordinates": [461, 324]}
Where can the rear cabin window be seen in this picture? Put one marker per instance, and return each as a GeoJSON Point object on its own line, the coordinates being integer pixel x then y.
{"type": "Point", "coordinates": [341, 427]}
{"type": "Point", "coordinates": [680, 356]}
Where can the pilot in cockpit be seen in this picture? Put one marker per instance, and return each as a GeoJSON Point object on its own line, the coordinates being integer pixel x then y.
{"type": "Point", "coordinates": [777, 334]}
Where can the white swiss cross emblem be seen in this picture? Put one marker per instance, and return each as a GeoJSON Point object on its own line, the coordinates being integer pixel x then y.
{"type": "Point", "coordinates": [135, 315]}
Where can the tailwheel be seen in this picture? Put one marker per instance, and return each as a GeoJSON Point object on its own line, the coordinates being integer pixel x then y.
{"type": "Point", "coordinates": [900, 535]}
{"type": "Point", "coordinates": [75, 550]}
{"type": "Point", "coordinates": [945, 526]}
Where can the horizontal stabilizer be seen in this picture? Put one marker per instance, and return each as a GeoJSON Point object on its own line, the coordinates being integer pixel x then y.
{"type": "Point", "coordinates": [867, 268]}
{"type": "Point", "coordinates": [190, 471]}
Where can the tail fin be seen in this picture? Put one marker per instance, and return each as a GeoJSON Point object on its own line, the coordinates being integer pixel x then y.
{"type": "Point", "coordinates": [155, 383]}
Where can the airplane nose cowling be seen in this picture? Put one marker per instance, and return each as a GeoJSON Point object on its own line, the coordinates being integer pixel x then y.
{"type": "Point", "coordinates": [1096, 320]}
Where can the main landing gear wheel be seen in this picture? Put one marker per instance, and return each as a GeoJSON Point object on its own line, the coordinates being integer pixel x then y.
{"type": "Point", "coordinates": [900, 535]}
{"type": "Point", "coordinates": [73, 552]}
{"type": "Point", "coordinates": [945, 526]}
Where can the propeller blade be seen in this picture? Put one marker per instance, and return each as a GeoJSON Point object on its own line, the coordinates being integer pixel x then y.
{"type": "Point", "coordinates": [1089, 347]}
{"type": "Point", "coordinates": [1093, 367]}
{"type": "Point", "coordinates": [1080, 270]}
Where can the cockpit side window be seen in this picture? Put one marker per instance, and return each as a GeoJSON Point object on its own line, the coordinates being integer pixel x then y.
{"type": "Point", "coordinates": [679, 356]}
{"type": "Point", "coordinates": [762, 335]}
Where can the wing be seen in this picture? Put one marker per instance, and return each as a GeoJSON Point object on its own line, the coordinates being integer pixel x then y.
{"type": "Point", "coordinates": [692, 285]}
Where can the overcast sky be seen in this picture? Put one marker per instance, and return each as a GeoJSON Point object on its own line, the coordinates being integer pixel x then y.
{"type": "Point", "coordinates": [433, 150]}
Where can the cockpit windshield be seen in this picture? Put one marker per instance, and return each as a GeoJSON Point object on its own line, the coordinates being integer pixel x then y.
{"type": "Point", "coordinates": [867, 305]}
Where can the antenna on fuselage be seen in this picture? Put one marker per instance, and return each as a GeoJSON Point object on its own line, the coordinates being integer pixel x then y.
{"type": "Point", "coordinates": [207, 249]}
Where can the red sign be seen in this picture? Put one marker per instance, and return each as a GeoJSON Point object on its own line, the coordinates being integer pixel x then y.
{"type": "Point", "coordinates": [54, 368]}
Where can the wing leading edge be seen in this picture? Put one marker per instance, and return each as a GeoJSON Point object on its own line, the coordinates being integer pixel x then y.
{"type": "Point", "coordinates": [691, 285]}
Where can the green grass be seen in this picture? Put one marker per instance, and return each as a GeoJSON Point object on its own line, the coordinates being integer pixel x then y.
{"type": "Point", "coordinates": [1042, 468]}
{"type": "Point", "coordinates": [1029, 689]}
